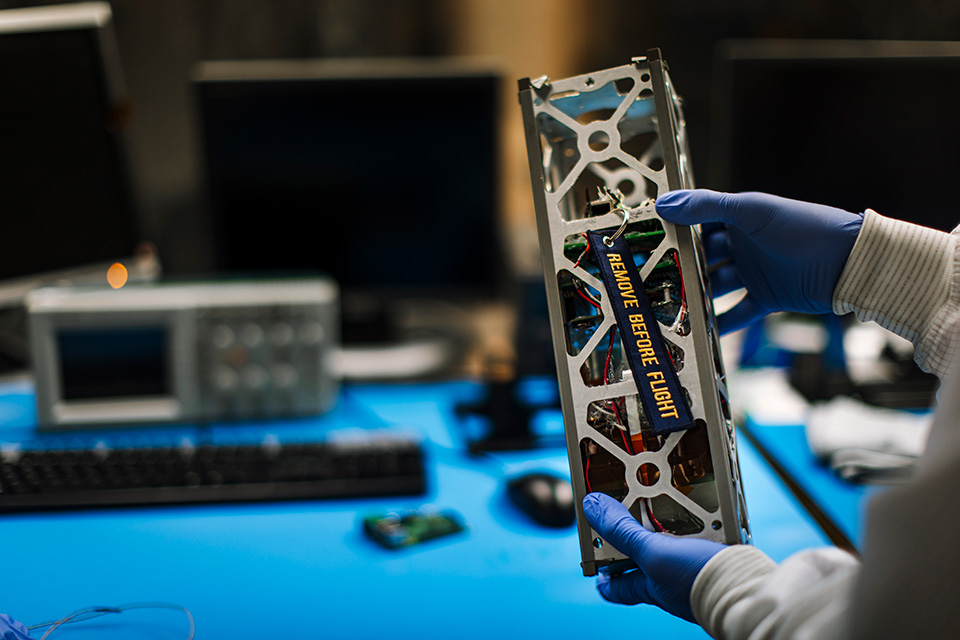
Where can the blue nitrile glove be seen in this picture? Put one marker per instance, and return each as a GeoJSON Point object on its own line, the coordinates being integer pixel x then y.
{"type": "Point", "coordinates": [787, 254]}
{"type": "Point", "coordinates": [10, 629]}
{"type": "Point", "coordinates": [667, 566]}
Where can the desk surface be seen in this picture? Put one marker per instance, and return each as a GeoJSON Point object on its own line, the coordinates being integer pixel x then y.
{"type": "Point", "coordinates": [842, 502]}
{"type": "Point", "coordinates": [303, 569]}
{"type": "Point", "coordinates": [775, 421]}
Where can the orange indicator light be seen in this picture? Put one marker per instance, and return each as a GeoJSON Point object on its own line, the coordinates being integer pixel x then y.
{"type": "Point", "coordinates": [117, 275]}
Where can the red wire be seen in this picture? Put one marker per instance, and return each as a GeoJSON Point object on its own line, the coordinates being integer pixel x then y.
{"type": "Point", "coordinates": [683, 288]}
{"type": "Point", "coordinates": [586, 475]}
{"type": "Point", "coordinates": [623, 434]}
{"type": "Point", "coordinates": [656, 522]}
{"type": "Point", "coordinates": [587, 298]}
{"type": "Point", "coordinates": [582, 255]}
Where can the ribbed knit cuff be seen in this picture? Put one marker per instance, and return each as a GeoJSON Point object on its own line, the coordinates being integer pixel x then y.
{"type": "Point", "coordinates": [722, 582]}
{"type": "Point", "coordinates": [899, 275]}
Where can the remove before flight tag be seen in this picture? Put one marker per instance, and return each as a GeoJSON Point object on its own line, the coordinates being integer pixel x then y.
{"type": "Point", "coordinates": [653, 373]}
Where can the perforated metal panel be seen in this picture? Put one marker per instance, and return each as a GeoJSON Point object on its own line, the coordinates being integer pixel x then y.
{"type": "Point", "coordinates": [601, 147]}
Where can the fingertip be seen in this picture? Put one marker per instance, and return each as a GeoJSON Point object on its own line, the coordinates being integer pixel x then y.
{"type": "Point", "coordinates": [591, 506]}
{"type": "Point", "coordinates": [605, 506]}
{"type": "Point", "coordinates": [596, 506]}
{"type": "Point", "coordinates": [672, 205]}
{"type": "Point", "coordinates": [671, 198]}
{"type": "Point", "coordinates": [617, 526]}
{"type": "Point", "coordinates": [690, 206]}
{"type": "Point", "coordinates": [603, 499]}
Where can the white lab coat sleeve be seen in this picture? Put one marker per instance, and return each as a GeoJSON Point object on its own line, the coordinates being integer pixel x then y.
{"type": "Point", "coordinates": [741, 594]}
{"type": "Point", "coordinates": [906, 278]}
{"type": "Point", "coordinates": [909, 586]}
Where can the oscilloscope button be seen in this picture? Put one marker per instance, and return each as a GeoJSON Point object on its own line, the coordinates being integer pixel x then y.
{"type": "Point", "coordinates": [255, 377]}
{"type": "Point", "coordinates": [225, 378]}
{"type": "Point", "coordinates": [284, 375]}
{"type": "Point", "coordinates": [311, 333]}
{"type": "Point", "coordinates": [251, 335]}
{"type": "Point", "coordinates": [222, 336]}
{"type": "Point", "coordinates": [281, 334]}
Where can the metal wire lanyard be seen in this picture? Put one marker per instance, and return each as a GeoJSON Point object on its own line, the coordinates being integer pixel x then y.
{"type": "Point", "coordinates": [615, 198]}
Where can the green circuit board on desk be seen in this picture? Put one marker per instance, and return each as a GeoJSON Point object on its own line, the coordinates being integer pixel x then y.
{"type": "Point", "coordinates": [399, 530]}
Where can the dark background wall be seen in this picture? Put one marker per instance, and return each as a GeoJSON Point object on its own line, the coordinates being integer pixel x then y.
{"type": "Point", "coordinates": [161, 40]}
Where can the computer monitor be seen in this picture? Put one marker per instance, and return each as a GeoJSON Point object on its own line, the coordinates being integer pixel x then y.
{"type": "Point", "coordinates": [67, 199]}
{"type": "Point", "coordinates": [382, 173]}
{"type": "Point", "coordinates": [853, 124]}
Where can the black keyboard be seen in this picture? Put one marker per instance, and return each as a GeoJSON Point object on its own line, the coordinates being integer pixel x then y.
{"type": "Point", "coordinates": [78, 478]}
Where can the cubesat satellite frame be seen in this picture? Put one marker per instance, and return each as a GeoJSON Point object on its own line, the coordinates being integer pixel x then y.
{"type": "Point", "coordinates": [643, 389]}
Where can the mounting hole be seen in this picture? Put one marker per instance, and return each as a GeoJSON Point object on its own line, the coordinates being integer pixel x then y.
{"type": "Point", "coordinates": [627, 187]}
{"type": "Point", "coordinates": [597, 542]}
{"type": "Point", "coordinates": [716, 524]}
{"type": "Point", "coordinates": [645, 77]}
{"type": "Point", "coordinates": [598, 140]}
{"type": "Point", "coordinates": [648, 474]}
{"type": "Point", "coordinates": [589, 82]}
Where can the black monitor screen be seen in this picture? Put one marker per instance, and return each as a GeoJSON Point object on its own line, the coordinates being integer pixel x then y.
{"type": "Point", "coordinates": [65, 196]}
{"type": "Point", "coordinates": [875, 131]}
{"type": "Point", "coordinates": [388, 183]}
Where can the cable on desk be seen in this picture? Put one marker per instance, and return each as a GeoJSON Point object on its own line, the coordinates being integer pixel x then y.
{"type": "Point", "coordinates": [833, 532]}
{"type": "Point", "coordinates": [89, 613]}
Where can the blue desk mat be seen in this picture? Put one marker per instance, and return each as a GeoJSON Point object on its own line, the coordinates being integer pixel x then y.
{"type": "Point", "coordinates": [842, 501]}
{"type": "Point", "coordinates": [304, 569]}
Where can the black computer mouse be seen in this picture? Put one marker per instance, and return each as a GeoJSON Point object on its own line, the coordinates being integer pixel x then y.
{"type": "Point", "coordinates": [546, 498]}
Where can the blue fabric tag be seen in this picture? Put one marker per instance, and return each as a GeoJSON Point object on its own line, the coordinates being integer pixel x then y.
{"type": "Point", "coordinates": [655, 377]}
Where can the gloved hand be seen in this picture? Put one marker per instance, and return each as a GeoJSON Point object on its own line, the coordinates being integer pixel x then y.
{"type": "Point", "coordinates": [10, 629]}
{"type": "Point", "coordinates": [667, 566]}
{"type": "Point", "coordinates": [787, 254]}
